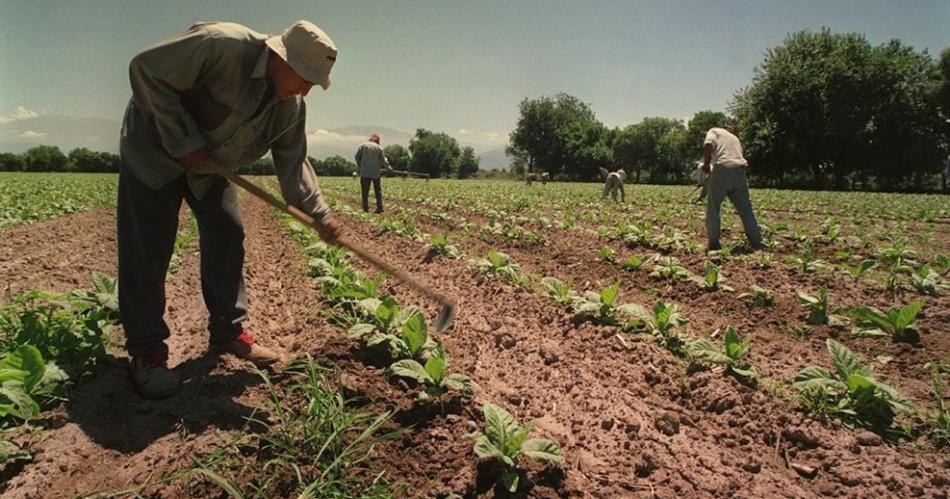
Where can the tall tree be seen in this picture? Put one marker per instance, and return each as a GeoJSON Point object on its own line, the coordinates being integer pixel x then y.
{"type": "Point", "coordinates": [559, 135]}
{"type": "Point", "coordinates": [44, 159]}
{"type": "Point", "coordinates": [398, 156]}
{"type": "Point", "coordinates": [434, 153]}
{"type": "Point", "coordinates": [468, 163]}
{"type": "Point", "coordinates": [832, 105]}
{"type": "Point", "coordinates": [655, 145]}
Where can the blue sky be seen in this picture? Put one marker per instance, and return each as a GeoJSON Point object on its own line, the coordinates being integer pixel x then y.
{"type": "Point", "coordinates": [452, 66]}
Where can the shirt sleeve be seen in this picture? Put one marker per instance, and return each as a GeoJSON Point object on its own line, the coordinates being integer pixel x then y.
{"type": "Point", "coordinates": [298, 182]}
{"type": "Point", "coordinates": [710, 137]}
{"type": "Point", "coordinates": [160, 74]}
{"type": "Point", "coordinates": [359, 155]}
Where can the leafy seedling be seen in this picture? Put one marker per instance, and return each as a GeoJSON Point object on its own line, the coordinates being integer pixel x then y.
{"type": "Point", "coordinates": [817, 307]}
{"type": "Point", "coordinates": [898, 324]}
{"type": "Point", "coordinates": [850, 393]}
{"type": "Point", "coordinates": [505, 441]}
{"type": "Point", "coordinates": [433, 376]}
{"type": "Point", "coordinates": [732, 355]}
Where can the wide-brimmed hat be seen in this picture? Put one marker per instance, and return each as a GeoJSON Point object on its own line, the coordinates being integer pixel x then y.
{"type": "Point", "coordinates": [308, 50]}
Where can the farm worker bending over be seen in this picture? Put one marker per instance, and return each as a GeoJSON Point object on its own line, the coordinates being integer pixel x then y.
{"type": "Point", "coordinates": [725, 165]}
{"type": "Point", "coordinates": [613, 182]}
{"type": "Point", "coordinates": [218, 92]}
{"type": "Point", "coordinates": [370, 160]}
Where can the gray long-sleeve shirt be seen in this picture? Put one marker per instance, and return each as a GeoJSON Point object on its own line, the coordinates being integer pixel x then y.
{"type": "Point", "coordinates": [206, 88]}
{"type": "Point", "coordinates": [371, 160]}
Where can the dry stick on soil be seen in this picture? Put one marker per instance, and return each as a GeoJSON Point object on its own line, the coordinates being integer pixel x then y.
{"type": "Point", "coordinates": [446, 314]}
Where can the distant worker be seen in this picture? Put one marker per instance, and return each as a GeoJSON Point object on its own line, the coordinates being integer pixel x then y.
{"type": "Point", "coordinates": [613, 182]}
{"type": "Point", "coordinates": [370, 160]}
{"type": "Point", "coordinates": [528, 179]}
{"type": "Point", "coordinates": [545, 177]}
{"type": "Point", "coordinates": [726, 167]}
{"type": "Point", "coordinates": [702, 179]}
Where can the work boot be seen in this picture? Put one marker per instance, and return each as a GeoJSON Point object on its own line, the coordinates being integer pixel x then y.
{"type": "Point", "coordinates": [378, 210]}
{"type": "Point", "coordinates": [151, 377]}
{"type": "Point", "coordinates": [244, 347]}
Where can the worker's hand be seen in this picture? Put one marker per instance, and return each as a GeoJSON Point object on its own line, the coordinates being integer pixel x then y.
{"type": "Point", "coordinates": [329, 231]}
{"type": "Point", "coordinates": [706, 168]}
{"type": "Point", "coordinates": [197, 161]}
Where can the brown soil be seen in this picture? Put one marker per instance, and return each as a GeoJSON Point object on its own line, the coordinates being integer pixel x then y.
{"type": "Point", "coordinates": [633, 421]}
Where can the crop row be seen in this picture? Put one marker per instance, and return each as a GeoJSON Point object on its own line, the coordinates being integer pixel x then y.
{"type": "Point", "coordinates": [28, 197]}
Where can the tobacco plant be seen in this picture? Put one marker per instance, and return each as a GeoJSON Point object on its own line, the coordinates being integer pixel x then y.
{"type": "Point", "coordinates": [501, 265]}
{"type": "Point", "coordinates": [403, 330]}
{"type": "Point", "coordinates": [731, 356]}
{"type": "Point", "coordinates": [636, 262]}
{"type": "Point", "coordinates": [712, 279]}
{"type": "Point", "coordinates": [560, 292]}
{"type": "Point", "coordinates": [898, 324]}
{"type": "Point", "coordinates": [761, 297]}
{"type": "Point", "coordinates": [669, 267]}
{"type": "Point", "coordinates": [506, 441]}
{"type": "Point", "coordinates": [850, 393]}
{"type": "Point", "coordinates": [817, 307]}
{"type": "Point", "coordinates": [433, 376]}
{"type": "Point", "coordinates": [439, 244]}
{"type": "Point", "coordinates": [600, 307]}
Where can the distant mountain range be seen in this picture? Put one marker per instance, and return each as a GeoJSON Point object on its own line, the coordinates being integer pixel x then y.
{"type": "Point", "coordinates": [17, 134]}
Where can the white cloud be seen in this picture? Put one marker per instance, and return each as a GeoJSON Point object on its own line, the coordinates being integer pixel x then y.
{"type": "Point", "coordinates": [20, 113]}
{"type": "Point", "coordinates": [324, 136]}
{"type": "Point", "coordinates": [464, 131]}
{"type": "Point", "coordinates": [30, 135]}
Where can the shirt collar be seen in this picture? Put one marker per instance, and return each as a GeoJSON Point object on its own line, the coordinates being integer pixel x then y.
{"type": "Point", "coordinates": [260, 69]}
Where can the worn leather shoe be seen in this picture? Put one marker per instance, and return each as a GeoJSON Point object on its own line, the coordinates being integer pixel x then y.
{"type": "Point", "coordinates": [244, 347]}
{"type": "Point", "coordinates": [151, 377]}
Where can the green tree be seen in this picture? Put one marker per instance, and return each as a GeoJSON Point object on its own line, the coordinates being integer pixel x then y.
{"type": "Point", "coordinates": [10, 162]}
{"type": "Point", "coordinates": [655, 145]}
{"type": "Point", "coordinates": [832, 106]}
{"type": "Point", "coordinates": [398, 156]}
{"type": "Point", "coordinates": [44, 159]}
{"type": "Point", "coordinates": [468, 163]}
{"type": "Point", "coordinates": [334, 166]}
{"type": "Point", "coordinates": [559, 135]}
{"type": "Point", "coordinates": [434, 153]}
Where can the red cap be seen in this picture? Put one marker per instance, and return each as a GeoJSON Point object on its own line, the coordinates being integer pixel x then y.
{"type": "Point", "coordinates": [374, 138]}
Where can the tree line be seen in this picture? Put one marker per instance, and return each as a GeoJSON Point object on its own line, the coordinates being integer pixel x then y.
{"type": "Point", "coordinates": [437, 154]}
{"type": "Point", "coordinates": [822, 110]}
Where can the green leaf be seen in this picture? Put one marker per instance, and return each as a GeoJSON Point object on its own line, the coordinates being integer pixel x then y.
{"type": "Point", "coordinates": [735, 348]}
{"type": "Point", "coordinates": [416, 334]}
{"type": "Point", "coordinates": [704, 351]}
{"type": "Point", "coordinates": [908, 314]}
{"type": "Point", "coordinates": [500, 425]}
{"type": "Point", "coordinates": [435, 367]}
{"type": "Point", "coordinates": [360, 330]}
{"type": "Point", "coordinates": [486, 449]}
{"type": "Point", "coordinates": [23, 405]}
{"type": "Point", "coordinates": [409, 368]}
{"type": "Point", "coordinates": [542, 450]}
{"type": "Point", "coordinates": [27, 359]}
{"type": "Point", "coordinates": [609, 294]}
{"type": "Point", "coordinates": [846, 363]}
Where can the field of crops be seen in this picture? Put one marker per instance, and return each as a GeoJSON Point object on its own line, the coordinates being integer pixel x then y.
{"type": "Point", "coordinates": [598, 350]}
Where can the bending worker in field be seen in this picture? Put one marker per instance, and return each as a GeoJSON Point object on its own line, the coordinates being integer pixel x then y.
{"type": "Point", "coordinates": [218, 92]}
{"type": "Point", "coordinates": [726, 167]}
{"type": "Point", "coordinates": [370, 161]}
{"type": "Point", "coordinates": [613, 182]}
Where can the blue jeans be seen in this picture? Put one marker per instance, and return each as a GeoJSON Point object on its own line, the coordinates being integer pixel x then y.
{"type": "Point", "coordinates": [730, 182]}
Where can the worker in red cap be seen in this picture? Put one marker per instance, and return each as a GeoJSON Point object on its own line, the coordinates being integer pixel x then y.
{"type": "Point", "coordinates": [370, 160]}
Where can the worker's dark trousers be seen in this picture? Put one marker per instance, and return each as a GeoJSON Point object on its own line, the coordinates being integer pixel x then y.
{"type": "Point", "coordinates": [147, 225]}
{"type": "Point", "coordinates": [364, 192]}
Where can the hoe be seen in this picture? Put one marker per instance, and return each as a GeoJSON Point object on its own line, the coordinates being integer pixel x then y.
{"type": "Point", "coordinates": [446, 314]}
